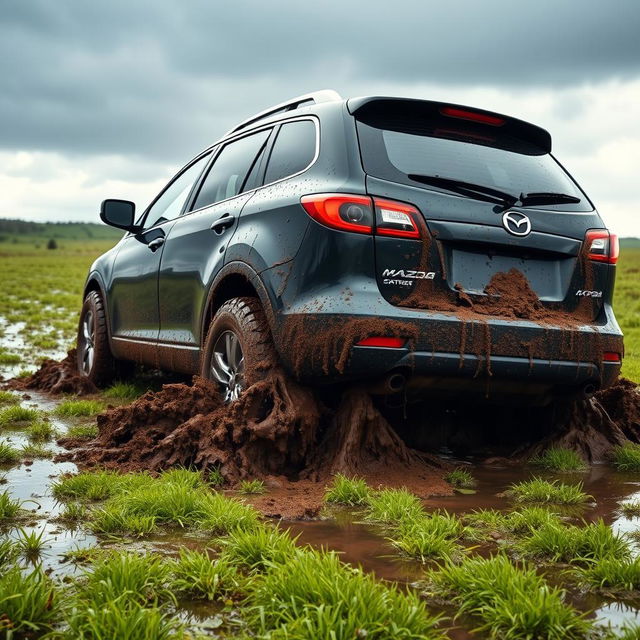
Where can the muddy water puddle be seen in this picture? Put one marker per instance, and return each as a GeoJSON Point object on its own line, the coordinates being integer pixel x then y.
{"type": "Point", "coordinates": [341, 530]}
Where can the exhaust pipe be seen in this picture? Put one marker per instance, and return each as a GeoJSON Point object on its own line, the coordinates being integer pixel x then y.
{"type": "Point", "coordinates": [589, 388]}
{"type": "Point", "coordinates": [393, 383]}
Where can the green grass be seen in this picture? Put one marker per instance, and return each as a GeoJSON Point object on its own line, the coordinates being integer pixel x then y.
{"type": "Point", "coordinates": [626, 457]}
{"type": "Point", "coordinates": [82, 431]}
{"type": "Point", "coordinates": [43, 288]}
{"type": "Point", "coordinates": [559, 459]}
{"type": "Point", "coordinates": [8, 454]}
{"type": "Point", "coordinates": [17, 416]}
{"type": "Point", "coordinates": [78, 408]}
{"type": "Point", "coordinates": [30, 543]}
{"type": "Point", "coordinates": [612, 574]}
{"type": "Point", "coordinates": [35, 450]}
{"type": "Point", "coordinates": [314, 595]}
{"type": "Point", "coordinates": [556, 542]}
{"type": "Point", "coordinates": [123, 391]}
{"type": "Point", "coordinates": [74, 512]}
{"type": "Point", "coordinates": [542, 491]}
{"type": "Point", "coordinates": [97, 485]}
{"type": "Point", "coordinates": [626, 303]}
{"type": "Point", "coordinates": [461, 479]}
{"type": "Point", "coordinates": [510, 602]}
{"type": "Point", "coordinates": [392, 506]}
{"type": "Point", "coordinates": [630, 509]}
{"type": "Point", "coordinates": [431, 537]}
{"type": "Point", "coordinates": [9, 358]}
{"type": "Point", "coordinates": [252, 487]}
{"type": "Point", "coordinates": [196, 575]}
{"type": "Point", "coordinates": [6, 397]}
{"type": "Point", "coordinates": [9, 508]}
{"type": "Point", "coordinates": [256, 548]}
{"type": "Point", "coordinates": [28, 601]}
{"type": "Point", "coordinates": [41, 432]}
{"type": "Point", "coordinates": [9, 553]}
{"type": "Point", "coordinates": [348, 491]}
{"type": "Point", "coordinates": [122, 620]}
{"type": "Point", "coordinates": [136, 503]}
{"type": "Point", "coordinates": [123, 595]}
{"type": "Point", "coordinates": [142, 577]}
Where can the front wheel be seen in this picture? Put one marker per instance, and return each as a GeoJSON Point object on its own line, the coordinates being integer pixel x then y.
{"type": "Point", "coordinates": [94, 359]}
{"type": "Point", "coordinates": [238, 349]}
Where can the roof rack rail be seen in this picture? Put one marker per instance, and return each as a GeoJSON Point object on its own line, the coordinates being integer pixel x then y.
{"type": "Point", "coordinates": [316, 97]}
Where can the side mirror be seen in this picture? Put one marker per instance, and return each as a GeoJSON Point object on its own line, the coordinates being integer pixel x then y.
{"type": "Point", "coordinates": [118, 213]}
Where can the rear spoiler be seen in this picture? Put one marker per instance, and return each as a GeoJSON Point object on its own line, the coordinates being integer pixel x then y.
{"type": "Point", "coordinates": [429, 110]}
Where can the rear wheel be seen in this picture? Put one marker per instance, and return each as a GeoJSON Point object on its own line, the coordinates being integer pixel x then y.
{"type": "Point", "coordinates": [238, 349]}
{"type": "Point", "coordinates": [94, 359]}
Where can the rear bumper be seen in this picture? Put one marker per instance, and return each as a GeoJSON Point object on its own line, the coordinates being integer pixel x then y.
{"type": "Point", "coordinates": [317, 342]}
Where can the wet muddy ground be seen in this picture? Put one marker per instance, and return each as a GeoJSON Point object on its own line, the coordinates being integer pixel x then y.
{"type": "Point", "coordinates": [336, 528]}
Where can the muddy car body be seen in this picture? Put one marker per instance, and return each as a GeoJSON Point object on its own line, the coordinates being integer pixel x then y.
{"type": "Point", "coordinates": [362, 239]}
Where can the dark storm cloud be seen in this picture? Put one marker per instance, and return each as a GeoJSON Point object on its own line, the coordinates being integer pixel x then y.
{"type": "Point", "coordinates": [165, 78]}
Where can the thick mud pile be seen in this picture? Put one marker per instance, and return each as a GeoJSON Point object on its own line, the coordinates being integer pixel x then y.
{"type": "Point", "coordinates": [56, 378]}
{"type": "Point", "coordinates": [593, 426]}
{"type": "Point", "coordinates": [278, 430]}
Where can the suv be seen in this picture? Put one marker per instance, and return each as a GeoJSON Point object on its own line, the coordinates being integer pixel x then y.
{"type": "Point", "coordinates": [364, 240]}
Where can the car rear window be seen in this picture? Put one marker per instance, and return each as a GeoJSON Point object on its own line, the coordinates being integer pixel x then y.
{"type": "Point", "coordinates": [393, 149]}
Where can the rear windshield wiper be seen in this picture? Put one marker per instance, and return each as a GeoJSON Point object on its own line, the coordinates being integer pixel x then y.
{"type": "Point", "coordinates": [476, 191]}
{"type": "Point", "coordinates": [488, 194]}
{"type": "Point", "coordinates": [544, 197]}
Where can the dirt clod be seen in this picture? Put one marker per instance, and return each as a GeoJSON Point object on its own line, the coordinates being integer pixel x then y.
{"type": "Point", "coordinates": [56, 377]}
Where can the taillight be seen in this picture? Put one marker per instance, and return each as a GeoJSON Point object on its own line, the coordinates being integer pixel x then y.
{"type": "Point", "coordinates": [382, 341]}
{"type": "Point", "coordinates": [396, 219]}
{"type": "Point", "coordinates": [611, 356]}
{"type": "Point", "coordinates": [602, 246]}
{"type": "Point", "coordinates": [356, 213]}
{"type": "Point", "coordinates": [341, 211]}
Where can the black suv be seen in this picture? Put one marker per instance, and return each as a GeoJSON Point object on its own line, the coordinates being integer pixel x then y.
{"type": "Point", "coordinates": [362, 239]}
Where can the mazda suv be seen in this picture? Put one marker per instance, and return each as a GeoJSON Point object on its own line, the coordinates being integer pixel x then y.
{"type": "Point", "coordinates": [408, 245]}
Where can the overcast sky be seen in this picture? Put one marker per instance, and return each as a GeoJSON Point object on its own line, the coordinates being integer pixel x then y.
{"type": "Point", "coordinates": [109, 99]}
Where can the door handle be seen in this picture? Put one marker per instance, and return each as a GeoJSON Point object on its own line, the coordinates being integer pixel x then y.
{"type": "Point", "coordinates": [154, 245]}
{"type": "Point", "coordinates": [223, 223]}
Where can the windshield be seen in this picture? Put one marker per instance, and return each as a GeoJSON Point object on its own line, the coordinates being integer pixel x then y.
{"type": "Point", "coordinates": [511, 166]}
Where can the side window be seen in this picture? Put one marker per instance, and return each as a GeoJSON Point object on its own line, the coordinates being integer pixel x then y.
{"type": "Point", "coordinates": [169, 205]}
{"type": "Point", "coordinates": [293, 150]}
{"type": "Point", "coordinates": [229, 170]}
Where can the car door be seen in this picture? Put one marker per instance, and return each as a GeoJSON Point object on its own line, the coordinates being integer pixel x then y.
{"type": "Point", "coordinates": [133, 291]}
{"type": "Point", "coordinates": [195, 249]}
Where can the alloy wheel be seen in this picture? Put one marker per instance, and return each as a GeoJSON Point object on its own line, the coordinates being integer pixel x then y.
{"type": "Point", "coordinates": [227, 365]}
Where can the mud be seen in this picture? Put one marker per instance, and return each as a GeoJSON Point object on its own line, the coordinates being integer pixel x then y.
{"type": "Point", "coordinates": [508, 295]}
{"type": "Point", "coordinates": [592, 427]}
{"type": "Point", "coordinates": [56, 377]}
{"type": "Point", "coordinates": [278, 430]}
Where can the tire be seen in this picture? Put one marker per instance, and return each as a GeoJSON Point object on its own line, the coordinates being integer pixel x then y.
{"type": "Point", "coordinates": [93, 355]}
{"type": "Point", "coordinates": [238, 350]}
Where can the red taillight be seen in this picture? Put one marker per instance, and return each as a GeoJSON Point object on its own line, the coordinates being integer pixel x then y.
{"type": "Point", "coordinates": [341, 211]}
{"type": "Point", "coordinates": [382, 341]}
{"type": "Point", "coordinates": [396, 219]}
{"type": "Point", "coordinates": [356, 213]}
{"type": "Point", "coordinates": [463, 114]}
{"type": "Point", "coordinates": [602, 246]}
{"type": "Point", "coordinates": [611, 356]}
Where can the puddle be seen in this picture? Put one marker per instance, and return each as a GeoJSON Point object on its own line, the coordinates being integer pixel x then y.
{"type": "Point", "coordinates": [13, 342]}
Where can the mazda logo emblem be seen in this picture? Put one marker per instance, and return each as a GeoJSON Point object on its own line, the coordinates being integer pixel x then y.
{"type": "Point", "coordinates": [517, 224]}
